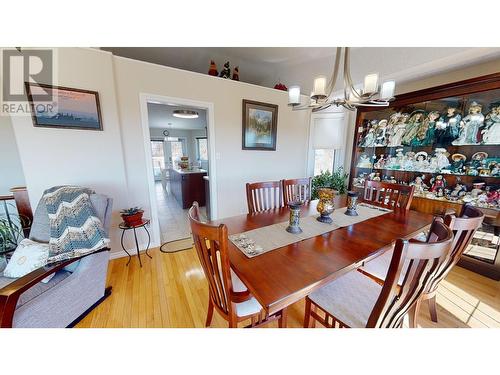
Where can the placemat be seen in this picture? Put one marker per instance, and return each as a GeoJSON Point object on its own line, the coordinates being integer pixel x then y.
{"type": "Point", "coordinates": [261, 240]}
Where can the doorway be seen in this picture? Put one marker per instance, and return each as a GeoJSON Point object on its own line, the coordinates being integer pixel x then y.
{"type": "Point", "coordinates": [180, 163]}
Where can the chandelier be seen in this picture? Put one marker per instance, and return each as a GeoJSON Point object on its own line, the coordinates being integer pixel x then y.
{"type": "Point", "coordinates": [370, 96]}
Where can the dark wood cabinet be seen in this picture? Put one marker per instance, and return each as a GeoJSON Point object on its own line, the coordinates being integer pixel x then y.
{"type": "Point", "coordinates": [188, 186]}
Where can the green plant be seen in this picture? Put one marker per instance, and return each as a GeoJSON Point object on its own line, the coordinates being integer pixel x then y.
{"type": "Point", "coordinates": [130, 211]}
{"type": "Point", "coordinates": [336, 181]}
{"type": "Point", "coordinates": [10, 234]}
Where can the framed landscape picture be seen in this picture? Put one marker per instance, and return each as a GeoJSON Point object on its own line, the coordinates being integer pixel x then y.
{"type": "Point", "coordinates": [67, 108]}
{"type": "Point", "coordinates": [259, 126]}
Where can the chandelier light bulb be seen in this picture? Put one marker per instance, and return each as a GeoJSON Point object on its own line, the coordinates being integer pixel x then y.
{"type": "Point", "coordinates": [294, 95]}
{"type": "Point", "coordinates": [371, 84]}
{"type": "Point", "coordinates": [387, 90]}
{"type": "Point", "coordinates": [319, 87]}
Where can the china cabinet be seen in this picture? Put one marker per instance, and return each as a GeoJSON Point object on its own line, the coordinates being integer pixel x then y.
{"type": "Point", "coordinates": [445, 141]}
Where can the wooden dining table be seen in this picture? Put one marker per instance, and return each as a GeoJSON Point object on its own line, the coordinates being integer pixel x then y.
{"type": "Point", "coordinates": [283, 276]}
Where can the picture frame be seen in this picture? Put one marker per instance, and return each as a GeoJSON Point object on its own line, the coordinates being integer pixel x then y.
{"type": "Point", "coordinates": [69, 108]}
{"type": "Point", "coordinates": [259, 126]}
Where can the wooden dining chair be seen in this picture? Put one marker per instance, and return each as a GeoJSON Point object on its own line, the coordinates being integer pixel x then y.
{"type": "Point", "coordinates": [464, 226]}
{"type": "Point", "coordinates": [388, 195]}
{"type": "Point", "coordinates": [263, 196]}
{"type": "Point", "coordinates": [298, 189]}
{"type": "Point", "coordinates": [354, 300]}
{"type": "Point", "coordinates": [227, 293]}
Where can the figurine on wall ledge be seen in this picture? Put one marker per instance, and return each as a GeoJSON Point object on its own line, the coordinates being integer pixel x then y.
{"type": "Point", "coordinates": [226, 71]}
{"type": "Point", "coordinates": [280, 86]}
{"type": "Point", "coordinates": [236, 74]}
{"type": "Point", "coordinates": [470, 125]}
{"type": "Point", "coordinates": [491, 131]}
{"type": "Point", "coordinates": [213, 69]}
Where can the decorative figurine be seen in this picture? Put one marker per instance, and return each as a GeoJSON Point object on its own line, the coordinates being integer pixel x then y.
{"type": "Point", "coordinates": [278, 86]}
{"type": "Point", "coordinates": [491, 131]}
{"type": "Point", "coordinates": [380, 134]}
{"type": "Point", "coordinates": [437, 182]}
{"type": "Point", "coordinates": [325, 205]}
{"type": "Point", "coordinates": [380, 163]}
{"type": "Point", "coordinates": [236, 74]}
{"type": "Point", "coordinates": [364, 162]}
{"type": "Point", "coordinates": [458, 191]}
{"type": "Point", "coordinates": [376, 177]}
{"type": "Point", "coordinates": [470, 125]}
{"type": "Point", "coordinates": [477, 189]}
{"type": "Point", "coordinates": [494, 169]}
{"type": "Point", "coordinates": [369, 140]}
{"type": "Point", "coordinates": [392, 180]}
{"type": "Point", "coordinates": [441, 158]}
{"type": "Point", "coordinates": [293, 225]}
{"type": "Point", "coordinates": [457, 167]}
{"type": "Point", "coordinates": [408, 163]}
{"type": "Point", "coordinates": [416, 119]}
{"type": "Point", "coordinates": [213, 69]}
{"type": "Point", "coordinates": [478, 161]}
{"type": "Point", "coordinates": [352, 202]}
{"type": "Point", "coordinates": [421, 163]}
{"type": "Point", "coordinates": [226, 72]}
{"type": "Point", "coordinates": [440, 192]}
{"type": "Point", "coordinates": [425, 132]}
{"type": "Point", "coordinates": [389, 130]}
{"type": "Point", "coordinates": [398, 131]}
{"type": "Point", "coordinates": [447, 127]}
{"type": "Point", "coordinates": [420, 185]}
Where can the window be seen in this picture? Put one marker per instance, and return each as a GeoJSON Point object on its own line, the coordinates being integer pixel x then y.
{"type": "Point", "coordinates": [202, 148]}
{"type": "Point", "coordinates": [158, 156]}
{"type": "Point", "coordinates": [323, 161]}
{"type": "Point", "coordinates": [177, 150]}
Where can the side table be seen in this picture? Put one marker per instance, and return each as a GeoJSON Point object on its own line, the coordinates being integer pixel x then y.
{"type": "Point", "coordinates": [143, 224]}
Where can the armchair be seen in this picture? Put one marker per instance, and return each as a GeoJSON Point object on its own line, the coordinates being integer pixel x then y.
{"type": "Point", "coordinates": [70, 294]}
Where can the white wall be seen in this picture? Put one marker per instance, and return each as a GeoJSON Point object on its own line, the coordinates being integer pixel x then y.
{"type": "Point", "coordinates": [64, 156]}
{"type": "Point", "coordinates": [11, 170]}
{"type": "Point", "coordinates": [113, 161]}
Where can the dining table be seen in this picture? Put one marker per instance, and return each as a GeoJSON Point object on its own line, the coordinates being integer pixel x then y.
{"type": "Point", "coordinates": [285, 275]}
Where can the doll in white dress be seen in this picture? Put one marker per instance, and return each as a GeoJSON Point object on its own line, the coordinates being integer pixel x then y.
{"type": "Point", "coordinates": [470, 125]}
{"type": "Point", "coordinates": [491, 133]}
{"type": "Point", "coordinates": [398, 131]}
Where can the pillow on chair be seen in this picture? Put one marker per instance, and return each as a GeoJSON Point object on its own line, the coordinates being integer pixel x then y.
{"type": "Point", "coordinates": [28, 256]}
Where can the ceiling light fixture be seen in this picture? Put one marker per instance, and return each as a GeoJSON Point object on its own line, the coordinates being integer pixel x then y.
{"type": "Point", "coordinates": [371, 96]}
{"type": "Point", "coordinates": [168, 138]}
{"type": "Point", "coordinates": [185, 113]}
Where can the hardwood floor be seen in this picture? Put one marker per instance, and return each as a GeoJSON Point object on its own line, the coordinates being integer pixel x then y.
{"type": "Point", "coordinates": [170, 291]}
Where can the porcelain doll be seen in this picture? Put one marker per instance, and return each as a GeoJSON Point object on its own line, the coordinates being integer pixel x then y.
{"type": "Point", "coordinates": [380, 163]}
{"type": "Point", "coordinates": [364, 162]}
{"type": "Point", "coordinates": [425, 132]}
{"type": "Point", "coordinates": [437, 182]}
{"type": "Point", "coordinates": [369, 140]}
{"type": "Point", "coordinates": [421, 163]}
{"type": "Point", "coordinates": [477, 189]}
{"type": "Point", "coordinates": [458, 191]}
{"type": "Point", "coordinates": [416, 119]}
{"type": "Point", "coordinates": [447, 127]}
{"type": "Point", "coordinates": [380, 134]}
{"type": "Point", "coordinates": [398, 131]}
{"type": "Point", "coordinates": [420, 185]}
{"type": "Point", "coordinates": [470, 125]}
{"type": "Point", "coordinates": [441, 158]}
{"type": "Point", "coordinates": [491, 132]}
{"type": "Point", "coordinates": [409, 161]}
{"type": "Point", "coordinates": [389, 129]}
{"type": "Point", "coordinates": [376, 177]}
{"type": "Point", "coordinates": [457, 166]}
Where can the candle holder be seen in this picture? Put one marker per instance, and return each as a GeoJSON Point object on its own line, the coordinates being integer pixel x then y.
{"type": "Point", "coordinates": [325, 205]}
{"type": "Point", "coordinates": [293, 224]}
{"type": "Point", "coordinates": [352, 203]}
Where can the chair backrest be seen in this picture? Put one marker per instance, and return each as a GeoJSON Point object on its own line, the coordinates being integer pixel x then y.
{"type": "Point", "coordinates": [388, 195]}
{"type": "Point", "coordinates": [424, 262]}
{"type": "Point", "coordinates": [211, 246]}
{"type": "Point", "coordinates": [298, 189]}
{"type": "Point", "coordinates": [263, 196]}
{"type": "Point", "coordinates": [463, 227]}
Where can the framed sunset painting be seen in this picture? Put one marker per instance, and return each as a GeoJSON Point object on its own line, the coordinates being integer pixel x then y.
{"type": "Point", "coordinates": [64, 107]}
{"type": "Point", "coordinates": [259, 126]}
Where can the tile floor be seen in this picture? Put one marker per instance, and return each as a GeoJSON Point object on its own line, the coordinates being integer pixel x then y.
{"type": "Point", "coordinates": [174, 223]}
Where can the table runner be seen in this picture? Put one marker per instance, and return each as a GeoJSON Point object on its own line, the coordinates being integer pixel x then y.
{"type": "Point", "coordinates": [261, 240]}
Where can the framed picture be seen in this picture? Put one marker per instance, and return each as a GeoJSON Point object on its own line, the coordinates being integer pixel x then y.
{"type": "Point", "coordinates": [259, 126]}
{"type": "Point", "coordinates": [68, 108]}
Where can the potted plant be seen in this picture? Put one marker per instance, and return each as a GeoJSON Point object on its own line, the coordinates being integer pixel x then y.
{"type": "Point", "coordinates": [336, 181]}
{"type": "Point", "coordinates": [10, 234]}
{"type": "Point", "coordinates": [132, 216]}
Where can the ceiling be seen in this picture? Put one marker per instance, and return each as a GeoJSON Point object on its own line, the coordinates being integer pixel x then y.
{"type": "Point", "coordinates": [266, 66]}
{"type": "Point", "coordinates": [161, 117]}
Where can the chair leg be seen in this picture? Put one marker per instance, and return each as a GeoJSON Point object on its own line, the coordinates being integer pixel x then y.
{"type": "Point", "coordinates": [283, 318]}
{"type": "Point", "coordinates": [210, 312]}
{"type": "Point", "coordinates": [433, 308]}
{"type": "Point", "coordinates": [233, 323]}
{"type": "Point", "coordinates": [307, 313]}
{"type": "Point", "coordinates": [413, 313]}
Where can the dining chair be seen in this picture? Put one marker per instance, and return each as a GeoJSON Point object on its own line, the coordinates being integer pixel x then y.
{"type": "Point", "coordinates": [263, 196]}
{"type": "Point", "coordinates": [296, 189]}
{"type": "Point", "coordinates": [388, 195]}
{"type": "Point", "coordinates": [227, 293]}
{"type": "Point", "coordinates": [354, 300]}
{"type": "Point", "coordinates": [464, 226]}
